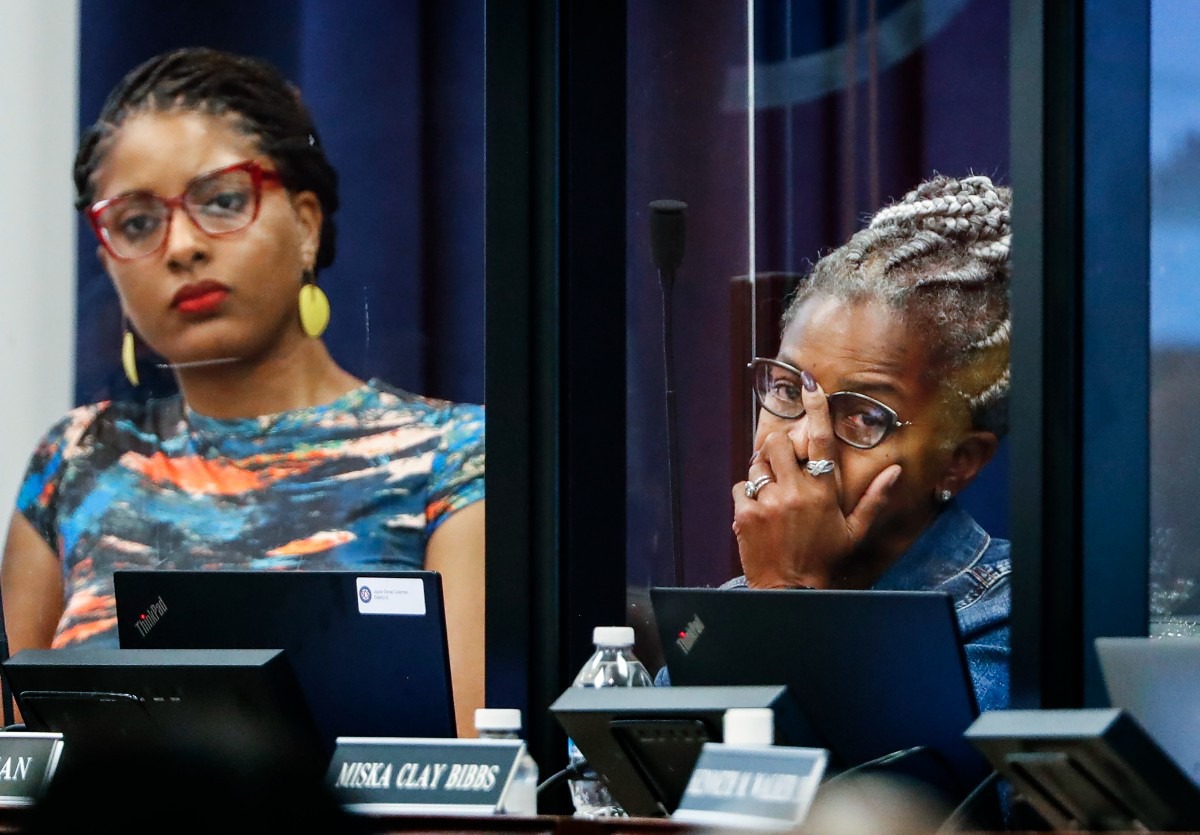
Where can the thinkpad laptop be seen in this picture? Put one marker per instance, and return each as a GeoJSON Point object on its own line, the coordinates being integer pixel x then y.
{"type": "Point", "coordinates": [1157, 680]}
{"type": "Point", "coordinates": [368, 647]}
{"type": "Point", "coordinates": [875, 672]}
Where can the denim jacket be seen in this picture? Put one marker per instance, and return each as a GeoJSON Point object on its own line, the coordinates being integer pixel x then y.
{"type": "Point", "coordinates": [955, 555]}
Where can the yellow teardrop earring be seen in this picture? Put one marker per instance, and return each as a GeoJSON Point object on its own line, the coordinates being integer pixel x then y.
{"type": "Point", "coordinates": [314, 306]}
{"type": "Point", "coordinates": [129, 356]}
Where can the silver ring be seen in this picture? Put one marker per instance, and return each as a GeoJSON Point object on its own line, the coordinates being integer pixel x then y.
{"type": "Point", "coordinates": [819, 467]}
{"type": "Point", "coordinates": [752, 487]}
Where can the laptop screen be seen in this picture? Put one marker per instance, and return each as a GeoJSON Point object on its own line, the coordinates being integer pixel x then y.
{"type": "Point", "coordinates": [876, 672]}
{"type": "Point", "coordinates": [368, 648]}
{"type": "Point", "coordinates": [1157, 680]}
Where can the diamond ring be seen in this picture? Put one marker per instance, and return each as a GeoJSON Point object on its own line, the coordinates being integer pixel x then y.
{"type": "Point", "coordinates": [752, 487]}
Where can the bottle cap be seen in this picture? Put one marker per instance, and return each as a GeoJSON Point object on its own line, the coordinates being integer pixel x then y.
{"type": "Point", "coordinates": [497, 719]}
{"type": "Point", "coordinates": [613, 636]}
{"type": "Point", "coordinates": [749, 726]}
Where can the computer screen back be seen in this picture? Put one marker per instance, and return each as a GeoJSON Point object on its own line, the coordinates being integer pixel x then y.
{"type": "Point", "coordinates": [875, 672]}
{"type": "Point", "coordinates": [368, 648]}
{"type": "Point", "coordinates": [1157, 680]}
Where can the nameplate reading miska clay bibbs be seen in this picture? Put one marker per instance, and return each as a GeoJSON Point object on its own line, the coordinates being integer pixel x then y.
{"type": "Point", "coordinates": [422, 776]}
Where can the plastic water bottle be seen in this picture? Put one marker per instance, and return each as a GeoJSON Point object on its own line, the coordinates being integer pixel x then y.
{"type": "Point", "coordinates": [505, 723]}
{"type": "Point", "coordinates": [613, 664]}
{"type": "Point", "coordinates": [748, 727]}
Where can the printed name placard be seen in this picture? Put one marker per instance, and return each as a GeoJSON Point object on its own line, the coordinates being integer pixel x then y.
{"type": "Point", "coordinates": [759, 788]}
{"type": "Point", "coordinates": [27, 762]}
{"type": "Point", "coordinates": [381, 775]}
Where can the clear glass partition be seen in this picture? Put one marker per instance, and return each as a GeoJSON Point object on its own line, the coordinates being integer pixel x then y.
{"type": "Point", "coordinates": [1174, 323]}
{"type": "Point", "coordinates": [781, 124]}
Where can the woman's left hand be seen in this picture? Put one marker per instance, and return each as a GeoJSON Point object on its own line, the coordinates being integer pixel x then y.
{"type": "Point", "coordinates": [793, 532]}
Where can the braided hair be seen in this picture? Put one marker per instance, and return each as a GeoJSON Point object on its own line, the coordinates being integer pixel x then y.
{"type": "Point", "coordinates": [940, 256]}
{"type": "Point", "coordinates": [253, 93]}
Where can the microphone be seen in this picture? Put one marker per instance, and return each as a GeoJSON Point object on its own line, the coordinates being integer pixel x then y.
{"type": "Point", "coordinates": [667, 235]}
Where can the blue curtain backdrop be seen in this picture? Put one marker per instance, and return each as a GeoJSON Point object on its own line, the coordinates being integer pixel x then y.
{"type": "Point", "coordinates": [396, 89]}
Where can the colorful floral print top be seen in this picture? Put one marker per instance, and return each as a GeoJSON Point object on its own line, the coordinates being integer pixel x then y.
{"type": "Point", "coordinates": [361, 482]}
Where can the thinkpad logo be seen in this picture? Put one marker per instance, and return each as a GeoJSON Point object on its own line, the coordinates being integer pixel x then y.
{"type": "Point", "coordinates": [688, 637]}
{"type": "Point", "coordinates": [147, 619]}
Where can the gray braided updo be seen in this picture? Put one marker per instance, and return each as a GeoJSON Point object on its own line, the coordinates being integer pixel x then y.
{"type": "Point", "coordinates": [939, 256]}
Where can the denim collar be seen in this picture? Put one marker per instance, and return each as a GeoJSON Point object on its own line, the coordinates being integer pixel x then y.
{"type": "Point", "coordinates": [951, 545]}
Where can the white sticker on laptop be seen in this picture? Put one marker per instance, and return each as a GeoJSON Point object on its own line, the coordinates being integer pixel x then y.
{"type": "Point", "coordinates": [390, 596]}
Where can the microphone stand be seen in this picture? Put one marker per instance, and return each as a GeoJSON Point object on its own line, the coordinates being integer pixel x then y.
{"type": "Point", "coordinates": [667, 234]}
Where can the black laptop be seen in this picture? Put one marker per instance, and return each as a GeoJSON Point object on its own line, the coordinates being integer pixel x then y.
{"type": "Point", "coordinates": [876, 672]}
{"type": "Point", "coordinates": [368, 647]}
{"type": "Point", "coordinates": [1157, 680]}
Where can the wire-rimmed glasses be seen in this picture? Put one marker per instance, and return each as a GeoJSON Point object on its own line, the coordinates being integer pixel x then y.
{"type": "Point", "coordinates": [857, 419]}
{"type": "Point", "coordinates": [136, 224]}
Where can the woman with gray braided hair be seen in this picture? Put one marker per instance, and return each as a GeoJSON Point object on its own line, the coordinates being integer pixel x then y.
{"type": "Point", "coordinates": [212, 200]}
{"type": "Point", "coordinates": [888, 396]}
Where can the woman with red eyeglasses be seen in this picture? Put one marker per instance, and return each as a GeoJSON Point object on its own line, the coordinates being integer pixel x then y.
{"type": "Point", "coordinates": [212, 200]}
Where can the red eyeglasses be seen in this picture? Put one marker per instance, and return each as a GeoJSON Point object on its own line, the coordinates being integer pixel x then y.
{"type": "Point", "coordinates": [220, 202]}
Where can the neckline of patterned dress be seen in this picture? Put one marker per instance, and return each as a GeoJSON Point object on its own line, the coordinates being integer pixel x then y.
{"type": "Point", "coordinates": [302, 417]}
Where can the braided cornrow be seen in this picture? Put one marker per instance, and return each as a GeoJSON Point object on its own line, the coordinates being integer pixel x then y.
{"type": "Point", "coordinates": [941, 256]}
{"type": "Point", "coordinates": [260, 100]}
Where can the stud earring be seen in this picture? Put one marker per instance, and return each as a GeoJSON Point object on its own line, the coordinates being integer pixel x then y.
{"type": "Point", "coordinates": [314, 306]}
{"type": "Point", "coordinates": [129, 356]}
{"type": "Point", "coordinates": [945, 496]}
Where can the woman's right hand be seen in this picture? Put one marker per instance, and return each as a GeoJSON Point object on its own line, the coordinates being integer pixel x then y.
{"type": "Point", "coordinates": [794, 532]}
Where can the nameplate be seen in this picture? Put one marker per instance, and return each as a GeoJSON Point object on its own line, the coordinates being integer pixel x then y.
{"type": "Point", "coordinates": [27, 762]}
{"type": "Point", "coordinates": [390, 776]}
{"type": "Point", "coordinates": [759, 788]}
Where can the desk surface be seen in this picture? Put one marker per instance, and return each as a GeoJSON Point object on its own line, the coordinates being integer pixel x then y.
{"type": "Point", "coordinates": [13, 820]}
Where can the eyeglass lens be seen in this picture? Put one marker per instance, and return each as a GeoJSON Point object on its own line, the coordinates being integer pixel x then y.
{"type": "Point", "coordinates": [219, 203]}
{"type": "Point", "coordinates": [857, 419]}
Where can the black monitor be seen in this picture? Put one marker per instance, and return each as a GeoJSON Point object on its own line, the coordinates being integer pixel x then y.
{"type": "Point", "coordinates": [369, 648]}
{"type": "Point", "coordinates": [105, 701]}
{"type": "Point", "coordinates": [876, 672]}
{"type": "Point", "coordinates": [644, 741]}
{"type": "Point", "coordinates": [1094, 770]}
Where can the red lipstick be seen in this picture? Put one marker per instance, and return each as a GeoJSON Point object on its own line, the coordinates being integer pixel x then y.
{"type": "Point", "coordinates": [201, 297]}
